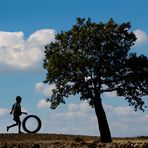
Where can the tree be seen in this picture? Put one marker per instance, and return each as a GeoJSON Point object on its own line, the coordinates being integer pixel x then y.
{"type": "Point", "coordinates": [93, 58]}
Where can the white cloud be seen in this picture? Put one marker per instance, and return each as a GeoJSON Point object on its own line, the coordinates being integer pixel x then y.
{"type": "Point", "coordinates": [110, 94]}
{"type": "Point", "coordinates": [80, 118]}
{"type": "Point", "coordinates": [144, 118]}
{"type": "Point", "coordinates": [45, 88]}
{"type": "Point", "coordinates": [82, 107]}
{"type": "Point", "coordinates": [142, 37]}
{"type": "Point", "coordinates": [41, 38]}
{"type": "Point", "coordinates": [71, 115]}
{"type": "Point", "coordinates": [122, 118]}
{"type": "Point", "coordinates": [75, 119]}
{"type": "Point", "coordinates": [43, 104]}
{"type": "Point", "coordinates": [75, 111]}
{"type": "Point", "coordinates": [19, 53]}
{"type": "Point", "coordinates": [73, 107]}
{"type": "Point", "coordinates": [108, 107]}
{"type": "Point", "coordinates": [3, 111]}
{"type": "Point", "coordinates": [123, 110]}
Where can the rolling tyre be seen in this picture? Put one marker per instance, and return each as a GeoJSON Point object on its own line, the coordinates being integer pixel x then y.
{"type": "Point", "coordinates": [39, 124]}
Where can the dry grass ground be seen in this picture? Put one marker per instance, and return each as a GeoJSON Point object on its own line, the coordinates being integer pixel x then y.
{"type": "Point", "coordinates": [67, 141]}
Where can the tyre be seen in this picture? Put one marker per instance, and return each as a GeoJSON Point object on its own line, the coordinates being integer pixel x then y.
{"type": "Point", "coordinates": [38, 122]}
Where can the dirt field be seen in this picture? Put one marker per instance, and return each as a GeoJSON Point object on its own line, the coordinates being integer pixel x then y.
{"type": "Point", "coordinates": [67, 141]}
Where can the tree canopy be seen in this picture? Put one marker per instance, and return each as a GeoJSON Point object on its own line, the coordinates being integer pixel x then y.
{"type": "Point", "coordinates": [92, 58]}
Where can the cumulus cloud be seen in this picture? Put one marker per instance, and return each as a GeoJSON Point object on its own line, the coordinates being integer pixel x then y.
{"type": "Point", "coordinates": [82, 107]}
{"type": "Point", "coordinates": [123, 111]}
{"type": "Point", "coordinates": [44, 88]}
{"type": "Point", "coordinates": [16, 52]}
{"type": "Point", "coordinates": [143, 118]}
{"type": "Point", "coordinates": [142, 37]}
{"type": "Point", "coordinates": [76, 111]}
{"type": "Point", "coordinates": [80, 118]}
{"type": "Point", "coordinates": [108, 107]}
{"type": "Point", "coordinates": [73, 107]}
{"type": "Point", "coordinates": [71, 115]}
{"type": "Point", "coordinates": [75, 120]}
{"type": "Point", "coordinates": [43, 104]}
{"type": "Point", "coordinates": [122, 118]}
{"type": "Point", "coordinates": [112, 94]}
{"type": "Point", "coordinates": [41, 37]}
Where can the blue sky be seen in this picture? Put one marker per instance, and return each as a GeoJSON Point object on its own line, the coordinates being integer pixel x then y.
{"type": "Point", "coordinates": [26, 26]}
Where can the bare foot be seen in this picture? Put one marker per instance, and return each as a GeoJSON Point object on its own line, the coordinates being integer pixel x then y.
{"type": "Point", "coordinates": [20, 132]}
{"type": "Point", "coordinates": [7, 128]}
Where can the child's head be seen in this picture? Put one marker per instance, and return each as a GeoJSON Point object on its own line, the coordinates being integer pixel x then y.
{"type": "Point", "coordinates": [18, 99]}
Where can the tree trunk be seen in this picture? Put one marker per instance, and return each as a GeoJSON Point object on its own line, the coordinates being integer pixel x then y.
{"type": "Point", "coordinates": [105, 134]}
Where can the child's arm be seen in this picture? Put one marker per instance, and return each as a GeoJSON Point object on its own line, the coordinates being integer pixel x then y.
{"type": "Point", "coordinates": [12, 109]}
{"type": "Point", "coordinates": [24, 113]}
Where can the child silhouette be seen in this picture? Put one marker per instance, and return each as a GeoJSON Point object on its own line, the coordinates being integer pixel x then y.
{"type": "Point", "coordinates": [16, 111]}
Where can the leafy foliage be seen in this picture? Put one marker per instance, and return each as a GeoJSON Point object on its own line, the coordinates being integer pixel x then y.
{"type": "Point", "coordinates": [93, 58]}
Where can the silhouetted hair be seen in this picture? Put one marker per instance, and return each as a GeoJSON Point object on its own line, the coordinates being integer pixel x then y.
{"type": "Point", "coordinates": [18, 98]}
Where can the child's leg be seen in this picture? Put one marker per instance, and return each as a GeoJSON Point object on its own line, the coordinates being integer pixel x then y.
{"type": "Point", "coordinates": [19, 127]}
{"type": "Point", "coordinates": [8, 127]}
{"type": "Point", "coordinates": [19, 124]}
